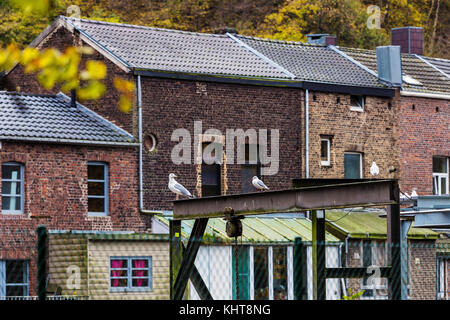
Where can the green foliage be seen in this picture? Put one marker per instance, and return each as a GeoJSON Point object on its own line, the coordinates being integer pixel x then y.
{"type": "Point", "coordinates": [354, 296]}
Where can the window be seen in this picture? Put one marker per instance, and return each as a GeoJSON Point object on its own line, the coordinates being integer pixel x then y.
{"type": "Point", "coordinates": [130, 273]}
{"type": "Point", "coordinates": [280, 270]}
{"type": "Point", "coordinates": [352, 165]}
{"type": "Point", "coordinates": [325, 144]}
{"type": "Point", "coordinates": [357, 103]}
{"type": "Point", "coordinates": [211, 176]}
{"type": "Point", "coordinates": [251, 168]}
{"type": "Point", "coordinates": [13, 278]}
{"type": "Point", "coordinates": [12, 188]}
{"type": "Point", "coordinates": [440, 175]}
{"type": "Point", "coordinates": [97, 189]}
{"type": "Point", "coordinates": [374, 254]}
{"type": "Point", "coordinates": [261, 273]}
{"type": "Point", "coordinates": [243, 278]}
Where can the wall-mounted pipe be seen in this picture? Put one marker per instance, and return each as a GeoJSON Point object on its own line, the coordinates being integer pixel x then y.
{"type": "Point", "coordinates": [307, 134]}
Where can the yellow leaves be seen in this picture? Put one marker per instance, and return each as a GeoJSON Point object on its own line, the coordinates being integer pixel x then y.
{"type": "Point", "coordinates": [95, 70]}
{"type": "Point", "coordinates": [9, 57]}
{"type": "Point", "coordinates": [31, 6]}
{"type": "Point", "coordinates": [126, 88]}
{"type": "Point", "coordinates": [93, 91]}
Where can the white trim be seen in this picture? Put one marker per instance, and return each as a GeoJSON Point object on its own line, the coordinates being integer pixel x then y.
{"type": "Point", "coordinates": [105, 181]}
{"type": "Point", "coordinates": [290, 272]}
{"type": "Point", "coordinates": [270, 271]}
{"type": "Point", "coordinates": [325, 163]}
{"type": "Point", "coordinates": [251, 273]}
{"type": "Point", "coordinates": [361, 171]}
{"type": "Point", "coordinates": [425, 95]}
{"type": "Point", "coordinates": [22, 188]}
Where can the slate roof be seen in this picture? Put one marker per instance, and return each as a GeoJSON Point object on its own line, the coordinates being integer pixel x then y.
{"type": "Point", "coordinates": [50, 118]}
{"type": "Point", "coordinates": [178, 51]}
{"type": "Point", "coordinates": [432, 80]}
{"type": "Point", "coordinates": [441, 64]}
{"type": "Point", "coordinates": [313, 62]}
{"type": "Point", "coordinates": [159, 49]}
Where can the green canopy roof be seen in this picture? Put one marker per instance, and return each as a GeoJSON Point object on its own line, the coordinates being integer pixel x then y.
{"type": "Point", "coordinates": [368, 225]}
{"type": "Point", "coordinates": [256, 230]}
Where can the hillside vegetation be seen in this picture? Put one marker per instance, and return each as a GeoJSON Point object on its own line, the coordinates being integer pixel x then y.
{"type": "Point", "coordinates": [278, 19]}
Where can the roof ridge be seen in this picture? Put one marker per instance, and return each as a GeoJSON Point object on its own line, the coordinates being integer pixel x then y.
{"type": "Point", "coordinates": [136, 26]}
{"type": "Point", "coordinates": [30, 94]}
{"type": "Point", "coordinates": [291, 42]}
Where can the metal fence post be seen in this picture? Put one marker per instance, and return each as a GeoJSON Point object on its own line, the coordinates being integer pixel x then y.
{"type": "Point", "coordinates": [300, 271]}
{"type": "Point", "coordinates": [41, 261]}
{"type": "Point", "coordinates": [176, 252]}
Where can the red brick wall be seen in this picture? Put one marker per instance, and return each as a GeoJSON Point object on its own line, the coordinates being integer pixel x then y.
{"type": "Point", "coordinates": [56, 195]}
{"type": "Point", "coordinates": [424, 133]}
{"type": "Point", "coordinates": [422, 264]}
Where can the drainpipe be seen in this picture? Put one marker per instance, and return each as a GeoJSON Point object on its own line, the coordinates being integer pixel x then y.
{"type": "Point", "coordinates": [306, 133]}
{"type": "Point", "coordinates": [141, 183]}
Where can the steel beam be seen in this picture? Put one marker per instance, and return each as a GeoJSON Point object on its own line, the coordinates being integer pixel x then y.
{"type": "Point", "coordinates": [187, 264]}
{"type": "Point", "coordinates": [385, 272]}
{"type": "Point", "coordinates": [344, 195]}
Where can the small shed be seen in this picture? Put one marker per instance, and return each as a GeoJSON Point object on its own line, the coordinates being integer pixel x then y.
{"type": "Point", "coordinates": [264, 253]}
{"type": "Point", "coordinates": [109, 265]}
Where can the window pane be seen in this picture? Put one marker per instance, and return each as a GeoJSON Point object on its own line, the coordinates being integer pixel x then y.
{"type": "Point", "coordinates": [119, 283]}
{"type": "Point", "coordinates": [357, 101]}
{"type": "Point", "coordinates": [211, 180]}
{"type": "Point", "coordinates": [11, 172]}
{"type": "Point", "coordinates": [324, 150]}
{"type": "Point", "coordinates": [16, 291]}
{"type": "Point", "coordinates": [96, 188]}
{"type": "Point", "coordinates": [261, 273]}
{"type": "Point", "coordinates": [12, 188]}
{"type": "Point", "coordinates": [137, 283]}
{"type": "Point", "coordinates": [352, 166]}
{"type": "Point", "coordinates": [11, 203]}
{"type": "Point", "coordinates": [280, 273]}
{"type": "Point", "coordinates": [96, 172]}
{"type": "Point", "coordinates": [443, 185]}
{"type": "Point", "coordinates": [440, 165]}
{"type": "Point", "coordinates": [241, 281]}
{"type": "Point", "coordinates": [140, 263]}
{"type": "Point", "coordinates": [96, 204]}
{"type": "Point", "coordinates": [119, 263]}
{"type": "Point", "coordinates": [15, 271]}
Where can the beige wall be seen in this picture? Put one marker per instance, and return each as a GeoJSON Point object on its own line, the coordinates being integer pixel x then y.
{"type": "Point", "coordinates": [99, 253]}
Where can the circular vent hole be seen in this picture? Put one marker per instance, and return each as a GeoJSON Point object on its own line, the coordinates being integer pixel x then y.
{"type": "Point", "coordinates": [149, 142]}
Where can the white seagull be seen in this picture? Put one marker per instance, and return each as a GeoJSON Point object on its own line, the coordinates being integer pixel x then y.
{"type": "Point", "coordinates": [258, 184]}
{"type": "Point", "coordinates": [374, 170]}
{"type": "Point", "coordinates": [177, 188]}
{"type": "Point", "coordinates": [414, 193]}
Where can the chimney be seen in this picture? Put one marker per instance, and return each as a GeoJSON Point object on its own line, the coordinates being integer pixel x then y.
{"type": "Point", "coordinates": [73, 98]}
{"type": "Point", "coordinates": [410, 39]}
{"type": "Point", "coordinates": [321, 38]}
{"type": "Point", "coordinates": [390, 65]}
{"type": "Point", "coordinates": [224, 30]}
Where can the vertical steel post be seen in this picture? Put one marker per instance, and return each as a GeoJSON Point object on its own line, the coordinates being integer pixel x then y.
{"type": "Point", "coordinates": [41, 261]}
{"type": "Point", "coordinates": [176, 252]}
{"type": "Point", "coordinates": [318, 254]}
{"type": "Point", "coordinates": [300, 271]}
{"type": "Point", "coordinates": [394, 241]}
{"type": "Point", "coordinates": [405, 225]}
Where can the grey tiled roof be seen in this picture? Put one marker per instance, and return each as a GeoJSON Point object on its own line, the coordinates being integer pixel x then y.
{"type": "Point", "coordinates": [51, 118]}
{"type": "Point", "coordinates": [432, 80]}
{"type": "Point", "coordinates": [213, 54]}
{"type": "Point", "coordinates": [313, 62]}
{"type": "Point", "coordinates": [441, 64]}
{"type": "Point", "coordinates": [177, 51]}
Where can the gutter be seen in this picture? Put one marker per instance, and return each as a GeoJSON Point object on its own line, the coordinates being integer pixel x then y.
{"type": "Point", "coordinates": [69, 141]}
{"type": "Point", "coordinates": [425, 95]}
{"type": "Point", "coordinates": [141, 179]}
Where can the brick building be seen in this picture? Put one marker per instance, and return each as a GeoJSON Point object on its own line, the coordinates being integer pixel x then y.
{"type": "Point", "coordinates": [63, 166]}
{"type": "Point", "coordinates": [229, 81]}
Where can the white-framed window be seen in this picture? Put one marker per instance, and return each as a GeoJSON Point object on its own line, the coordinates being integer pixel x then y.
{"type": "Point", "coordinates": [130, 273]}
{"type": "Point", "coordinates": [97, 189]}
{"type": "Point", "coordinates": [441, 175]}
{"type": "Point", "coordinates": [375, 254]}
{"type": "Point", "coordinates": [357, 103]}
{"type": "Point", "coordinates": [12, 188]}
{"type": "Point", "coordinates": [353, 165]}
{"type": "Point", "coordinates": [325, 151]}
{"type": "Point", "coordinates": [13, 278]}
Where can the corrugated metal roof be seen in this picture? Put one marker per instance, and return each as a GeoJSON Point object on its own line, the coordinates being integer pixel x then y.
{"type": "Point", "coordinates": [368, 225]}
{"type": "Point", "coordinates": [256, 230]}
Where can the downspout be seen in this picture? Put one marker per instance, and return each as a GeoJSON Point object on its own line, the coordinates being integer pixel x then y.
{"type": "Point", "coordinates": [141, 180]}
{"type": "Point", "coordinates": [306, 133]}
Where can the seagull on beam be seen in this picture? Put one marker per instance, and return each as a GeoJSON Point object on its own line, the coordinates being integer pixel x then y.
{"type": "Point", "coordinates": [258, 184]}
{"type": "Point", "coordinates": [177, 188]}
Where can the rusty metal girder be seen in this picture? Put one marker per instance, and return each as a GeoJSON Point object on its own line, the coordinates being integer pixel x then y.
{"type": "Point", "coordinates": [322, 197]}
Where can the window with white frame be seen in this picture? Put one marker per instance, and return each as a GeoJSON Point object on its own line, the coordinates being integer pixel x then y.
{"type": "Point", "coordinates": [440, 175]}
{"type": "Point", "coordinates": [357, 103]}
{"type": "Point", "coordinates": [12, 188]}
{"type": "Point", "coordinates": [374, 253]}
{"type": "Point", "coordinates": [97, 189]}
{"type": "Point", "coordinates": [130, 273]}
{"type": "Point", "coordinates": [353, 165]}
{"type": "Point", "coordinates": [13, 278]}
{"type": "Point", "coordinates": [325, 148]}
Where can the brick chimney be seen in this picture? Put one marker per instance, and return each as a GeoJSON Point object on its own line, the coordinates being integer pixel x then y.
{"type": "Point", "coordinates": [410, 39]}
{"type": "Point", "coordinates": [322, 38]}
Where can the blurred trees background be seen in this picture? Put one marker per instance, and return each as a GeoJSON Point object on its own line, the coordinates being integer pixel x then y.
{"type": "Point", "coordinates": [279, 19]}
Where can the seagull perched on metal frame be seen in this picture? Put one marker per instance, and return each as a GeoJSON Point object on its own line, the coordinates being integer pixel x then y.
{"type": "Point", "coordinates": [374, 170]}
{"type": "Point", "coordinates": [258, 184]}
{"type": "Point", "coordinates": [177, 188]}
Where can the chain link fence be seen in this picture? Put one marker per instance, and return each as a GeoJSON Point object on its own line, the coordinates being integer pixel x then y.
{"type": "Point", "coordinates": [124, 265]}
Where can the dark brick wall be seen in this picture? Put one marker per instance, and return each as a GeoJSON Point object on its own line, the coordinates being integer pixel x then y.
{"type": "Point", "coordinates": [424, 127]}
{"type": "Point", "coordinates": [56, 195]}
